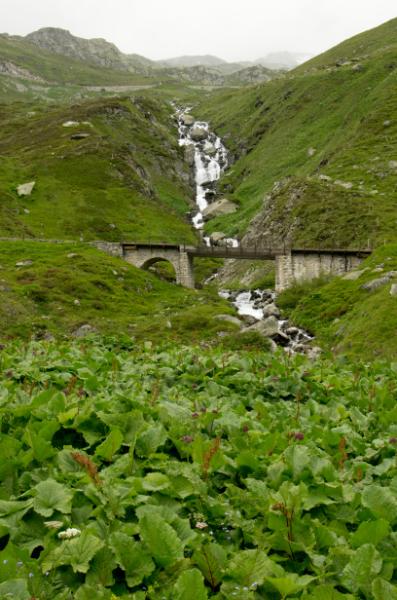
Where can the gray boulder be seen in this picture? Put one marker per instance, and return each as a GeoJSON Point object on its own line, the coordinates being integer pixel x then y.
{"type": "Point", "coordinates": [370, 286]}
{"type": "Point", "coordinates": [25, 189]}
{"type": "Point", "coordinates": [229, 319]}
{"type": "Point", "coordinates": [189, 154]}
{"type": "Point", "coordinates": [216, 237]}
{"type": "Point", "coordinates": [188, 120]}
{"type": "Point", "coordinates": [393, 289]}
{"type": "Point", "coordinates": [198, 133]}
{"type": "Point", "coordinates": [353, 275]}
{"type": "Point", "coordinates": [268, 327]}
{"type": "Point", "coordinates": [84, 330]}
{"type": "Point", "coordinates": [220, 207]}
{"type": "Point", "coordinates": [271, 310]}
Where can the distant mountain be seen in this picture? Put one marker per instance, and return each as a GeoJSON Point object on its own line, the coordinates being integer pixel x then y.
{"type": "Point", "coordinates": [206, 60]}
{"type": "Point", "coordinates": [282, 60]}
{"type": "Point", "coordinates": [95, 51]}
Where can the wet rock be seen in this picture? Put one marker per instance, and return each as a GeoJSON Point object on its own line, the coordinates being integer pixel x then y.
{"type": "Point", "coordinates": [249, 320]}
{"type": "Point", "coordinates": [271, 310]}
{"type": "Point", "coordinates": [25, 189]}
{"type": "Point", "coordinates": [189, 154]}
{"type": "Point", "coordinates": [269, 327]}
{"type": "Point", "coordinates": [216, 237]}
{"type": "Point", "coordinates": [198, 133]}
{"type": "Point", "coordinates": [187, 119]}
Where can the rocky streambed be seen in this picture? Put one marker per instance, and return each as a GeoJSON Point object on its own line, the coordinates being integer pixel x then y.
{"type": "Point", "coordinates": [257, 309]}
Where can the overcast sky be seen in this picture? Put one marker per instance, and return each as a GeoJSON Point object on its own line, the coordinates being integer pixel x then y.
{"type": "Point", "coordinates": [231, 29]}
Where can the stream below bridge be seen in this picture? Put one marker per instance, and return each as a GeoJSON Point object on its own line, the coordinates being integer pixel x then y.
{"type": "Point", "coordinates": [257, 308]}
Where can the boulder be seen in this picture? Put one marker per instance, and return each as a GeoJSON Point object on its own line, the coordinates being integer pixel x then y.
{"type": "Point", "coordinates": [198, 133]}
{"type": "Point", "coordinates": [223, 206]}
{"type": "Point", "coordinates": [84, 330]}
{"type": "Point", "coordinates": [216, 237]}
{"type": "Point", "coordinates": [187, 120]}
{"type": "Point", "coordinates": [189, 154]}
{"type": "Point", "coordinates": [393, 289]}
{"type": "Point", "coordinates": [268, 327]}
{"type": "Point", "coordinates": [71, 124]}
{"type": "Point", "coordinates": [370, 286]}
{"type": "Point", "coordinates": [25, 189]}
{"type": "Point", "coordinates": [393, 164]}
{"type": "Point", "coordinates": [271, 310]}
{"type": "Point", "coordinates": [209, 149]}
{"type": "Point", "coordinates": [229, 319]}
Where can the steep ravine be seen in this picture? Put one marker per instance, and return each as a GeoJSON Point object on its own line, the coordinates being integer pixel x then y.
{"type": "Point", "coordinates": [208, 157]}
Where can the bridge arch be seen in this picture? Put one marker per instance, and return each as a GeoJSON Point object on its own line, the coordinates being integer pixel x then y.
{"type": "Point", "coordinates": [145, 255]}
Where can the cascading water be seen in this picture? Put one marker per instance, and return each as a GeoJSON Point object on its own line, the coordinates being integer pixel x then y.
{"type": "Point", "coordinates": [210, 161]}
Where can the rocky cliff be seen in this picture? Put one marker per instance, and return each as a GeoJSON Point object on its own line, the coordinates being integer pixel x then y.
{"type": "Point", "coordinates": [95, 51]}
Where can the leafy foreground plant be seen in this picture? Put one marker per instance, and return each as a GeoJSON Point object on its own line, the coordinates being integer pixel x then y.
{"type": "Point", "coordinates": [186, 474]}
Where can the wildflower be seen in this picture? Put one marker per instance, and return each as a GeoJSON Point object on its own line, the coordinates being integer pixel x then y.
{"type": "Point", "coordinates": [31, 575]}
{"type": "Point", "coordinates": [195, 415]}
{"type": "Point", "coordinates": [19, 563]}
{"type": "Point", "coordinates": [201, 525]}
{"type": "Point", "coordinates": [71, 532]}
{"type": "Point", "coordinates": [5, 561]}
{"type": "Point", "coordinates": [298, 435]}
{"type": "Point", "coordinates": [188, 439]}
{"type": "Point", "coordinates": [393, 441]}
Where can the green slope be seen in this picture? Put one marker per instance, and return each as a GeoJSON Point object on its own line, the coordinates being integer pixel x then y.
{"type": "Point", "coordinates": [346, 317]}
{"type": "Point", "coordinates": [126, 180]}
{"type": "Point", "coordinates": [339, 123]}
{"type": "Point", "coordinates": [62, 287]}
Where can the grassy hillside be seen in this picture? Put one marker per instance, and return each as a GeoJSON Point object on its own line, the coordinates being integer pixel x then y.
{"type": "Point", "coordinates": [347, 318]}
{"type": "Point", "coordinates": [59, 288]}
{"type": "Point", "coordinates": [328, 137]}
{"type": "Point", "coordinates": [125, 180]}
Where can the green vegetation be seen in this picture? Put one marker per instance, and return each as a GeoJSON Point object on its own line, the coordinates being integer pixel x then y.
{"type": "Point", "coordinates": [185, 473]}
{"type": "Point", "coordinates": [338, 123]}
{"type": "Point", "coordinates": [125, 180]}
{"type": "Point", "coordinates": [67, 286]}
{"type": "Point", "coordinates": [346, 318]}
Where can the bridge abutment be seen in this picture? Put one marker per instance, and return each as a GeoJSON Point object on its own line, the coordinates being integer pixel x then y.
{"type": "Point", "coordinates": [300, 266]}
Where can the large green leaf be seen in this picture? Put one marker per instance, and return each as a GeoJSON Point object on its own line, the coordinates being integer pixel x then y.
{"type": "Point", "coordinates": [383, 590]}
{"type": "Point", "coordinates": [132, 558]}
{"type": "Point", "coordinates": [76, 552]}
{"type": "Point", "coordinates": [190, 586]}
{"type": "Point", "coordinates": [111, 445]}
{"type": "Point", "coordinates": [161, 539]}
{"type": "Point", "coordinates": [381, 502]}
{"type": "Point", "coordinates": [51, 496]}
{"type": "Point", "coordinates": [211, 559]}
{"type": "Point", "coordinates": [364, 566]}
{"type": "Point", "coordinates": [370, 532]}
{"type": "Point", "coordinates": [252, 566]}
{"type": "Point", "coordinates": [12, 511]}
{"type": "Point", "coordinates": [327, 592]}
{"type": "Point", "coordinates": [290, 584]}
{"type": "Point", "coordinates": [150, 440]}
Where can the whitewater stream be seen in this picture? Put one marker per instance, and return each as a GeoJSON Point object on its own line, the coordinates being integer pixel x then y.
{"type": "Point", "coordinates": [209, 157]}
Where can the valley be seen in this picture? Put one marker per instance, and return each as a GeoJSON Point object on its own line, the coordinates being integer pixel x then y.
{"type": "Point", "coordinates": [198, 318]}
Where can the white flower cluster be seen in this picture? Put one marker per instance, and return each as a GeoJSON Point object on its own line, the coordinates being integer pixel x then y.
{"type": "Point", "coordinates": [71, 532]}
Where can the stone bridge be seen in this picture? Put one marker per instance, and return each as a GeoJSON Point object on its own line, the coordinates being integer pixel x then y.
{"type": "Point", "coordinates": [293, 265]}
